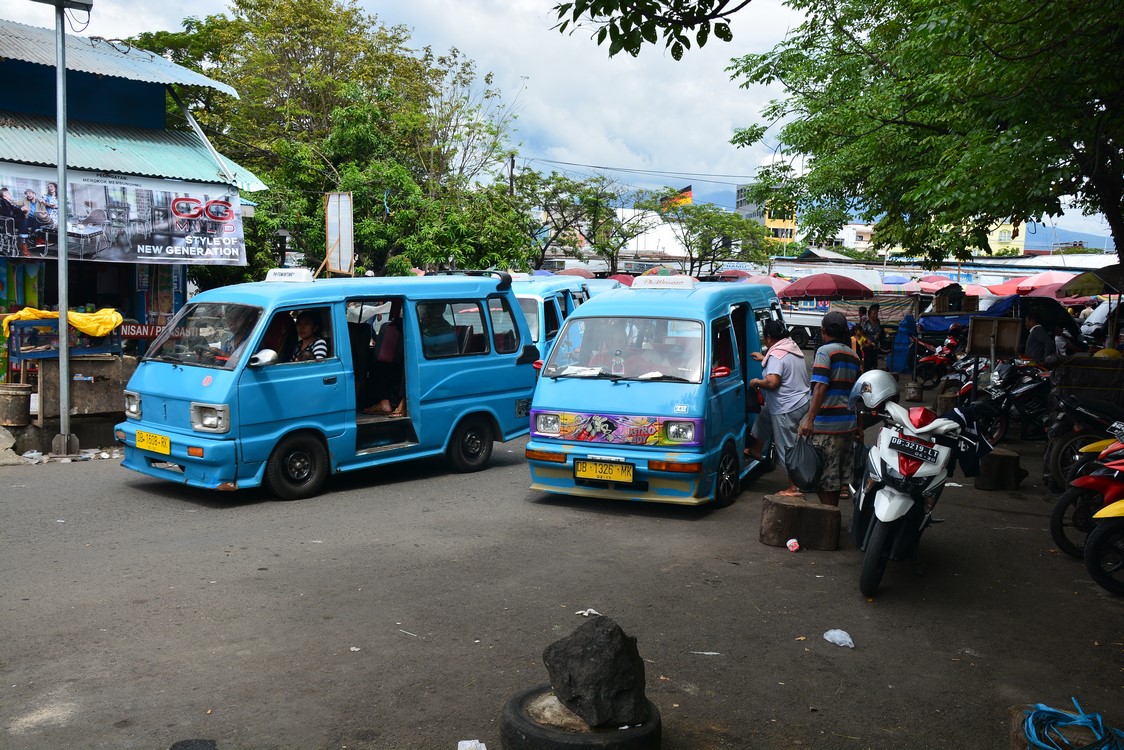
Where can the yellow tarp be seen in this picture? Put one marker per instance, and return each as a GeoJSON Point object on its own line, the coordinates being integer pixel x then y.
{"type": "Point", "coordinates": [97, 323]}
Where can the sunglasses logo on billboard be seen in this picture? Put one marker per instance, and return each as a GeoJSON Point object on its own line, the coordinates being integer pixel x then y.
{"type": "Point", "coordinates": [188, 210]}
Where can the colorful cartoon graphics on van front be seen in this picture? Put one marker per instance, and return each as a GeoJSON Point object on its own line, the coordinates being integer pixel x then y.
{"type": "Point", "coordinates": [621, 429]}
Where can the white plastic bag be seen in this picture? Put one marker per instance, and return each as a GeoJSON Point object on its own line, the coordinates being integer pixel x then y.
{"type": "Point", "coordinates": [839, 638]}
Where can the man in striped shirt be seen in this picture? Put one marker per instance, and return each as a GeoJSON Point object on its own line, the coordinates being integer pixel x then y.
{"type": "Point", "coordinates": [830, 423]}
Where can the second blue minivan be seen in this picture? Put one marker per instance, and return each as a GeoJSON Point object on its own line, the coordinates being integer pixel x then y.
{"type": "Point", "coordinates": [645, 394]}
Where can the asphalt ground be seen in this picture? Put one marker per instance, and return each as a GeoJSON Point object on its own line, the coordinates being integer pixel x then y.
{"type": "Point", "coordinates": [405, 605]}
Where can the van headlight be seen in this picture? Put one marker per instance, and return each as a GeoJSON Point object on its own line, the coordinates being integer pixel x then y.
{"type": "Point", "coordinates": [210, 417]}
{"type": "Point", "coordinates": [680, 432]}
{"type": "Point", "coordinates": [132, 405]}
{"type": "Point", "coordinates": [548, 424]}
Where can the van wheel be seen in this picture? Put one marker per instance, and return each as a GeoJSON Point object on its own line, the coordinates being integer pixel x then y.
{"type": "Point", "coordinates": [800, 337]}
{"type": "Point", "coordinates": [727, 480]}
{"type": "Point", "coordinates": [297, 468]}
{"type": "Point", "coordinates": [471, 446]}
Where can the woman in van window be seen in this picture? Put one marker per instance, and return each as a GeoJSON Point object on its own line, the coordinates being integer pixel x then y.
{"type": "Point", "coordinates": [310, 345]}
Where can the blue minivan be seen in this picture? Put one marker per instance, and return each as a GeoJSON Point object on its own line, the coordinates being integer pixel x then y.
{"type": "Point", "coordinates": [546, 301]}
{"type": "Point", "coordinates": [645, 395]}
{"type": "Point", "coordinates": [283, 382]}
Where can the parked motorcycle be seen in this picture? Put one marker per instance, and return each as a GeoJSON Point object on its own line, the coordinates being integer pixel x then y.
{"type": "Point", "coordinates": [1104, 549]}
{"type": "Point", "coordinates": [1019, 390]}
{"type": "Point", "coordinates": [903, 477]}
{"type": "Point", "coordinates": [1072, 519]}
{"type": "Point", "coordinates": [935, 365]}
{"type": "Point", "coordinates": [1078, 421]}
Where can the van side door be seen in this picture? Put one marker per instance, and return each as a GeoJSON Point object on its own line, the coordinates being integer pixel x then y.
{"type": "Point", "coordinates": [726, 412]}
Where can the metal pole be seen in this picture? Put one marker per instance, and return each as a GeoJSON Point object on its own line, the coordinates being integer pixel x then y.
{"type": "Point", "coordinates": [64, 443]}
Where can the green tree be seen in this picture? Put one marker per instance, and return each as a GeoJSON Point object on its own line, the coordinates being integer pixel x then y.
{"type": "Point", "coordinates": [711, 235]}
{"type": "Point", "coordinates": [612, 215]}
{"type": "Point", "coordinates": [628, 25]}
{"type": "Point", "coordinates": [939, 120]}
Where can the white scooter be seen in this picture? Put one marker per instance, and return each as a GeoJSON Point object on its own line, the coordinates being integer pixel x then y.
{"type": "Point", "coordinates": [902, 479]}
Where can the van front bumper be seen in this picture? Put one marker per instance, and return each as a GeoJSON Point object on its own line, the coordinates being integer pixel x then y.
{"type": "Point", "coordinates": [215, 469]}
{"type": "Point", "coordinates": [649, 484]}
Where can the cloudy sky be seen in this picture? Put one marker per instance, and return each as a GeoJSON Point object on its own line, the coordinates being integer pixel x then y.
{"type": "Point", "coordinates": [647, 121]}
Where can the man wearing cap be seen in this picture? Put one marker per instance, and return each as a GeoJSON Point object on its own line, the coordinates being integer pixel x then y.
{"type": "Point", "coordinates": [830, 423]}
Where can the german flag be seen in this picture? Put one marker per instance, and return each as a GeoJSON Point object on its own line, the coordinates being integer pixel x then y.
{"type": "Point", "coordinates": [683, 197]}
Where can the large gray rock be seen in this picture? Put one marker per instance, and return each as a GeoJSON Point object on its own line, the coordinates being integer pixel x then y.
{"type": "Point", "coordinates": [597, 672]}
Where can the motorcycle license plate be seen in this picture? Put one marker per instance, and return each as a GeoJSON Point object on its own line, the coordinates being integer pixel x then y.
{"type": "Point", "coordinates": [914, 450]}
{"type": "Point", "coordinates": [1116, 428]}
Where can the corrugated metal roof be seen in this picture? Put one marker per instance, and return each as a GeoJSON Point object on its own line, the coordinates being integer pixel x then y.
{"type": "Point", "coordinates": [99, 56]}
{"type": "Point", "coordinates": [176, 154]}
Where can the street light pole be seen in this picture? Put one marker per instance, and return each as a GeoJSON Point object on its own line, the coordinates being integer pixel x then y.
{"type": "Point", "coordinates": [64, 443]}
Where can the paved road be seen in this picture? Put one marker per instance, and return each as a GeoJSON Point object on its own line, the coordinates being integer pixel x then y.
{"type": "Point", "coordinates": [403, 607]}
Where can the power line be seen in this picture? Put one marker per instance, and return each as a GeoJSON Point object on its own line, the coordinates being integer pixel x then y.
{"type": "Point", "coordinates": [695, 176]}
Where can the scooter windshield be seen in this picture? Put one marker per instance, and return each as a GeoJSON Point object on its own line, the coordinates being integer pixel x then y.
{"type": "Point", "coordinates": [628, 348]}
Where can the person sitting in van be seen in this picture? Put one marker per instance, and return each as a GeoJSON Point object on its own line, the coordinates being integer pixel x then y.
{"type": "Point", "coordinates": [310, 344]}
{"type": "Point", "coordinates": [439, 336]}
{"type": "Point", "coordinates": [620, 356]}
{"type": "Point", "coordinates": [383, 391]}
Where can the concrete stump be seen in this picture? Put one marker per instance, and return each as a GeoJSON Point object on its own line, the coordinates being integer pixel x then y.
{"type": "Point", "coordinates": [813, 524]}
{"type": "Point", "coordinates": [1000, 470]}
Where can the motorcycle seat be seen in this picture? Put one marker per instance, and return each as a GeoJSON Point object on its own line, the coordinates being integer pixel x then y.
{"type": "Point", "coordinates": [899, 415]}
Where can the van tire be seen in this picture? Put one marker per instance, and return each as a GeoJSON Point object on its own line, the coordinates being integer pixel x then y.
{"type": "Point", "coordinates": [471, 446]}
{"type": "Point", "coordinates": [727, 478]}
{"type": "Point", "coordinates": [521, 728]}
{"type": "Point", "coordinates": [297, 467]}
{"type": "Point", "coordinates": [800, 336]}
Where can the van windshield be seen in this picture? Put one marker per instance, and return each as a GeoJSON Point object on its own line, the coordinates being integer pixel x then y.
{"type": "Point", "coordinates": [628, 348]}
{"type": "Point", "coordinates": [208, 334]}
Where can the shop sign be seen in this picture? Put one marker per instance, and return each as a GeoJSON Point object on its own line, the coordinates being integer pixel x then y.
{"type": "Point", "coordinates": [120, 218]}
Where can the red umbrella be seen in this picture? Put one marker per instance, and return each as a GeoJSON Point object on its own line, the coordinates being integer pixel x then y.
{"type": "Point", "coordinates": [733, 273]}
{"type": "Point", "coordinates": [1047, 290]}
{"type": "Point", "coordinates": [623, 278]}
{"type": "Point", "coordinates": [936, 277]}
{"type": "Point", "coordinates": [1043, 279]}
{"type": "Point", "coordinates": [826, 286]}
{"type": "Point", "coordinates": [1011, 286]}
{"type": "Point", "coordinates": [773, 281]}
{"type": "Point", "coordinates": [584, 273]}
{"type": "Point", "coordinates": [936, 284]}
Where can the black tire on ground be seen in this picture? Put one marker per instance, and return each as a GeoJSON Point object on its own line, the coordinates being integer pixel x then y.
{"type": "Point", "coordinates": [519, 731]}
{"type": "Point", "coordinates": [727, 479]}
{"type": "Point", "coordinates": [1104, 555]}
{"type": "Point", "coordinates": [874, 560]}
{"type": "Point", "coordinates": [927, 375]}
{"type": "Point", "coordinates": [297, 467]}
{"type": "Point", "coordinates": [995, 428]}
{"type": "Point", "coordinates": [1072, 519]}
{"type": "Point", "coordinates": [471, 446]}
{"type": "Point", "coordinates": [1064, 453]}
{"type": "Point", "coordinates": [800, 336]}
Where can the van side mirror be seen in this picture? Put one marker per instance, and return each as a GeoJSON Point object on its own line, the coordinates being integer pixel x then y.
{"type": "Point", "coordinates": [263, 358]}
{"type": "Point", "coordinates": [721, 371]}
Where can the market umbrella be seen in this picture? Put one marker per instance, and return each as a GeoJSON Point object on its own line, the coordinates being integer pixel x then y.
{"type": "Point", "coordinates": [894, 278]}
{"type": "Point", "coordinates": [976, 290]}
{"type": "Point", "coordinates": [1098, 281]}
{"type": "Point", "coordinates": [623, 278]}
{"type": "Point", "coordinates": [826, 286]}
{"type": "Point", "coordinates": [1011, 286]}
{"type": "Point", "coordinates": [934, 278]}
{"type": "Point", "coordinates": [583, 272]}
{"type": "Point", "coordinates": [773, 281]}
{"type": "Point", "coordinates": [661, 271]}
{"type": "Point", "coordinates": [542, 272]}
{"type": "Point", "coordinates": [909, 287]}
{"type": "Point", "coordinates": [1047, 290]}
{"type": "Point", "coordinates": [936, 284]}
{"type": "Point", "coordinates": [733, 273]}
{"type": "Point", "coordinates": [1043, 279]}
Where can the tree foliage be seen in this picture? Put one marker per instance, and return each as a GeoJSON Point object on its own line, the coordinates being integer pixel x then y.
{"type": "Point", "coordinates": [332, 100]}
{"type": "Point", "coordinates": [627, 25]}
{"type": "Point", "coordinates": [711, 235]}
{"type": "Point", "coordinates": [938, 120]}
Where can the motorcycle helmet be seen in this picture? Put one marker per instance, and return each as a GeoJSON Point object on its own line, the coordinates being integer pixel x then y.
{"type": "Point", "coordinates": [872, 390]}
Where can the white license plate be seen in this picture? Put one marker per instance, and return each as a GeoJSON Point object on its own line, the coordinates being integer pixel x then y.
{"type": "Point", "coordinates": [915, 450]}
{"type": "Point", "coordinates": [602, 470]}
{"type": "Point", "coordinates": [150, 441]}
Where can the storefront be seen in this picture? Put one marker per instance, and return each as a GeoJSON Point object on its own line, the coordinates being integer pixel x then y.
{"type": "Point", "coordinates": [143, 202]}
